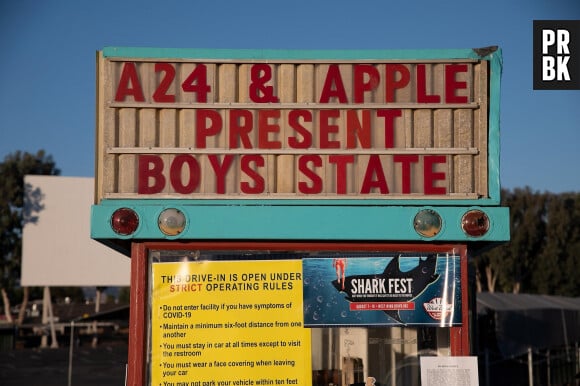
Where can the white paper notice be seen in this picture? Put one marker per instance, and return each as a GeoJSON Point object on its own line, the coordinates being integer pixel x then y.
{"type": "Point", "coordinates": [449, 371]}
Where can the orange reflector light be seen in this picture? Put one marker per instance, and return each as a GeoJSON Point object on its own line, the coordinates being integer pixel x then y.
{"type": "Point", "coordinates": [427, 223]}
{"type": "Point", "coordinates": [124, 221]}
{"type": "Point", "coordinates": [171, 222]}
{"type": "Point", "coordinates": [475, 223]}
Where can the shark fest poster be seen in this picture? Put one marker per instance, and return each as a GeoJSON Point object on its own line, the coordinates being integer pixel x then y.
{"type": "Point", "coordinates": [391, 289]}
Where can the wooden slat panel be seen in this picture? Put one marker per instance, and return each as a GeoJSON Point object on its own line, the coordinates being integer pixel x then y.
{"type": "Point", "coordinates": [227, 84]}
{"type": "Point", "coordinates": [443, 138]}
{"type": "Point", "coordinates": [152, 125]}
{"type": "Point", "coordinates": [186, 128]}
{"type": "Point", "coordinates": [285, 164]}
{"type": "Point", "coordinates": [106, 168]}
{"type": "Point", "coordinates": [305, 83]}
{"type": "Point", "coordinates": [481, 129]}
{"type": "Point", "coordinates": [463, 165]}
{"type": "Point", "coordinates": [128, 136]}
{"type": "Point", "coordinates": [167, 135]}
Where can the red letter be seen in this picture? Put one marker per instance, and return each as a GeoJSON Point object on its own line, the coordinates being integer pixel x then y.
{"type": "Point", "coordinates": [360, 86]}
{"type": "Point", "coordinates": [422, 96]}
{"type": "Point", "coordinates": [430, 176]}
{"type": "Point", "coordinates": [176, 171]}
{"type": "Point", "coordinates": [406, 161]}
{"type": "Point", "coordinates": [316, 180]}
{"type": "Point", "coordinates": [452, 85]}
{"type": "Point", "coordinates": [354, 129]}
{"type": "Point", "coordinates": [160, 95]}
{"type": "Point", "coordinates": [129, 75]}
{"type": "Point", "coordinates": [341, 174]}
{"type": "Point", "coordinates": [293, 121]}
{"type": "Point", "coordinates": [326, 129]}
{"type": "Point", "coordinates": [196, 82]}
{"type": "Point", "coordinates": [221, 171]}
{"type": "Point", "coordinates": [389, 116]}
{"type": "Point", "coordinates": [333, 77]}
{"type": "Point", "coordinates": [202, 130]}
{"type": "Point", "coordinates": [265, 128]}
{"type": "Point", "coordinates": [241, 130]}
{"type": "Point", "coordinates": [374, 167]}
{"type": "Point", "coordinates": [391, 83]}
{"type": "Point", "coordinates": [150, 166]}
{"type": "Point", "coordinates": [245, 167]}
{"type": "Point", "coordinates": [261, 73]}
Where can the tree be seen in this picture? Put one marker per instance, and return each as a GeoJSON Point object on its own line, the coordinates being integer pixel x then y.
{"type": "Point", "coordinates": [528, 227]}
{"type": "Point", "coordinates": [13, 194]}
{"type": "Point", "coordinates": [488, 264]}
{"type": "Point", "coordinates": [542, 255]}
{"type": "Point", "coordinates": [558, 265]}
{"type": "Point", "coordinates": [508, 265]}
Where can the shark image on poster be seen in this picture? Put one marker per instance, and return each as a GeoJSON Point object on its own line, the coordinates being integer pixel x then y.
{"type": "Point", "coordinates": [395, 290]}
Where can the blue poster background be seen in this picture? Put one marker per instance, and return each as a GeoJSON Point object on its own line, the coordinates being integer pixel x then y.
{"type": "Point", "coordinates": [325, 305]}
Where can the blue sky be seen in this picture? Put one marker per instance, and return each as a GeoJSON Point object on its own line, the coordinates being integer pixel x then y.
{"type": "Point", "coordinates": [47, 63]}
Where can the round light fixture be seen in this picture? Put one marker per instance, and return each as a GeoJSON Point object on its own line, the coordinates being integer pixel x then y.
{"type": "Point", "coordinates": [475, 223]}
{"type": "Point", "coordinates": [427, 223]}
{"type": "Point", "coordinates": [124, 221]}
{"type": "Point", "coordinates": [171, 222]}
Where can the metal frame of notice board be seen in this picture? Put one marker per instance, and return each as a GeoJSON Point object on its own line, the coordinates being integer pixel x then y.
{"type": "Point", "coordinates": [141, 291]}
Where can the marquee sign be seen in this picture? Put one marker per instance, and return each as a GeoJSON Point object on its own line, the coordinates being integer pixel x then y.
{"type": "Point", "coordinates": [267, 128]}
